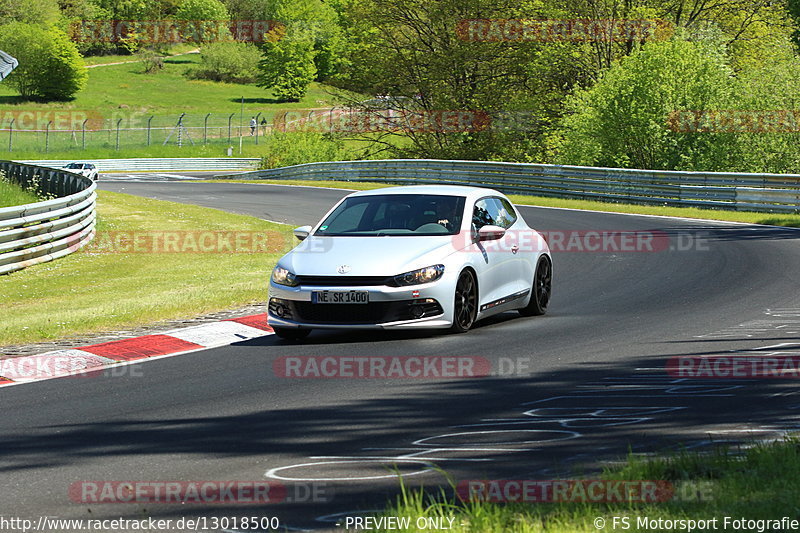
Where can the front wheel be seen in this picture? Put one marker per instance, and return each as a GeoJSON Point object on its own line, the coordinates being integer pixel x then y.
{"type": "Point", "coordinates": [292, 334]}
{"type": "Point", "coordinates": [541, 288]}
{"type": "Point", "coordinates": [465, 308]}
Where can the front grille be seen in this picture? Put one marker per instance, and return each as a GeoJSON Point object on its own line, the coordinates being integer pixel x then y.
{"type": "Point", "coordinates": [371, 313]}
{"type": "Point", "coordinates": [345, 281]}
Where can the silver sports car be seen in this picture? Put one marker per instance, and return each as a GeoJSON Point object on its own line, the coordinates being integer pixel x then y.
{"type": "Point", "coordinates": [426, 256]}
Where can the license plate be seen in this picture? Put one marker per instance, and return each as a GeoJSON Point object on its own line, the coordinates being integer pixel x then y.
{"type": "Point", "coordinates": [340, 297]}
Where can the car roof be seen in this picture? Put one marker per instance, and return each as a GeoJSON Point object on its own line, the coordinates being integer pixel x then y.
{"type": "Point", "coordinates": [443, 190]}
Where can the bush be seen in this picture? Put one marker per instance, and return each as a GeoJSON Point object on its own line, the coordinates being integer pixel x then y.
{"type": "Point", "coordinates": [230, 62]}
{"type": "Point", "coordinates": [151, 61]}
{"type": "Point", "coordinates": [622, 120]}
{"type": "Point", "coordinates": [202, 10]}
{"type": "Point", "coordinates": [294, 148]}
{"type": "Point", "coordinates": [288, 68]}
{"type": "Point", "coordinates": [50, 66]}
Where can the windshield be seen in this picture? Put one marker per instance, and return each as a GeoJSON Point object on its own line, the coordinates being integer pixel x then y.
{"type": "Point", "coordinates": [74, 165]}
{"type": "Point", "coordinates": [395, 214]}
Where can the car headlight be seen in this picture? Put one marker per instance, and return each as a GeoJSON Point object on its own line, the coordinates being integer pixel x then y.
{"type": "Point", "coordinates": [281, 276]}
{"type": "Point", "coordinates": [422, 275]}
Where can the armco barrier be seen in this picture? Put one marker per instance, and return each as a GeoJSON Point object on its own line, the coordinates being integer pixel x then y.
{"type": "Point", "coordinates": [158, 164]}
{"type": "Point", "coordinates": [722, 190]}
{"type": "Point", "coordinates": [44, 231]}
{"type": "Point", "coordinates": [7, 64]}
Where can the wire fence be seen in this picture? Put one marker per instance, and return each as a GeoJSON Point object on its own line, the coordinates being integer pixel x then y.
{"type": "Point", "coordinates": [75, 130]}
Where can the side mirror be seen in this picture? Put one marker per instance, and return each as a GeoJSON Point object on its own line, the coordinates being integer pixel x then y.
{"type": "Point", "coordinates": [491, 233]}
{"type": "Point", "coordinates": [302, 232]}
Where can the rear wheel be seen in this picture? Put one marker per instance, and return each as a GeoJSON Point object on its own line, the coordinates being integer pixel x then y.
{"type": "Point", "coordinates": [465, 308]}
{"type": "Point", "coordinates": [541, 288]}
{"type": "Point", "coordinates": [292, 334]}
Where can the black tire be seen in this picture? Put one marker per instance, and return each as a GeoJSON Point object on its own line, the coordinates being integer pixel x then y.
{"type": "Point", "coordinates": [291, 334]}
{"type": "Point", "coordinates": [465, 307]}
{"type": "Point", "coordinates": [541, 288]}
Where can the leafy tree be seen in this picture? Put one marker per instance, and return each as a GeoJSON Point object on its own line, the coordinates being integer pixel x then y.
{"type": "Point", "coordinates": [308, 46]}
{"type": "Point", "coordinates": [772, 88]}
{"type": "Point", "coordinates": [50, 66]}
{"type": "Point", "coordinates": [131, 9]}
{"type": "Point", "coordinates": [250, 9]}
{"type": "Point", "coordinates": [29, 11]}
{"type": "Point", "coordinates": [410, 49]}
{"type": "Point", "coordinates": [202, 10]}
{"type": "Point", "coordinates": [230, 62]}
{"type": "Point", "coordinates": [288, 67]}
{"type": "Point", "coordinates": [622, 121]}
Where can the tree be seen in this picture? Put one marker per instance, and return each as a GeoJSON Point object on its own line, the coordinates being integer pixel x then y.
{"type": "Point", "coordinates": [202, 10]}
{"type": "Point", "coordinates": [288, 67]}
{"type": "Point", "coordinates": [50, 66]}
{"type": "Point", "coordinates": [307, 46]}
{"type": "Point", "coordinates": [412, 51]}
{"type": "Point", "coordinates": [29, 11]}
{"type": "Point", "coordinates": [622, 121]}
{"type": "Point", "coordinates": [231, 62]}
{"type": "Point", "coordinates": [770, 91]}
{"type": "Point", "coordinates": [206, 20]}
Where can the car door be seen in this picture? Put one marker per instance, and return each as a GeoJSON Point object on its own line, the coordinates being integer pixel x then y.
{"type": "Point", "coordinates": [519, 239]}
{"type": "Point", "coordinates": [500, 270]}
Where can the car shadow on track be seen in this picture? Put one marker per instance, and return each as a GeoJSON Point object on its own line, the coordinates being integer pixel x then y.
{"type": "Point", "coordinates": [356, 336]}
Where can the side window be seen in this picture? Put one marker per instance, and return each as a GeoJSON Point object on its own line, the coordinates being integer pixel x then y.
{"type": "Point", "coordinates": [493, 211]}
{"type": "Point", "coordinates": [506, 215]}
{"type": "Point", "coordinates": [484, 213]}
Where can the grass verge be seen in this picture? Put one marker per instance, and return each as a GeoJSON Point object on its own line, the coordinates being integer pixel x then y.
{"type": "Point", "coordinates": [749, 217]}
{"type": "Point", "coordinates": [12, 194]}
{"type": "Point", "coordinates": [96, 289]}
{"type": "Point", "coordinates": [756, 485]}
{"type": "Point", "coordinates": [126, 90]}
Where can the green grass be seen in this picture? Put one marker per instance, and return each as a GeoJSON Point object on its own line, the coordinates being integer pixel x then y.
{"type": "Point", "coordinates": [92, 291]}
{"type": "Point", "coordinates": [758, 484]}
{"type": "Point", "coordinates": [126, 92]}
{"type": "Point", "coordinates": [127, 88]}
{"type": "Point", "coordinates": [177, 49]}
{"type": "Point", "coordinates": [589, 205]}
{"type": "Point", "coordinates": [12, 194]}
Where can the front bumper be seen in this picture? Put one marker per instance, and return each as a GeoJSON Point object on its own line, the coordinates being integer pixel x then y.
{"type": "Point", "coordinates": [422, 306]}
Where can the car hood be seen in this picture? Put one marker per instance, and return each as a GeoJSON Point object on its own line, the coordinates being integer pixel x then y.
{"type": "Point", "coordinates": [367, 256]}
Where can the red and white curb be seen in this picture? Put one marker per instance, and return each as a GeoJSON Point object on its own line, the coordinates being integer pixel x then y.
{"type": "Point", "coordinates": [60, 363]}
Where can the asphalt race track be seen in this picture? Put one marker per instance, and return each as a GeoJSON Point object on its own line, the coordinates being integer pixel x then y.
{"type": "Point", "coordinates": [568, 390]}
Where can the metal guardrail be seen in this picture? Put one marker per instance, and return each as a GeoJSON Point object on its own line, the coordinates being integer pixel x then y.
{"type": "Point", "coordinates": [7, 64]}
{"type": "Point", "coordinates": [721, 190]}
{"type": "Point", "coordinates": [158, 164]}
{"type": "Point", "coordinates": [44, 231]}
